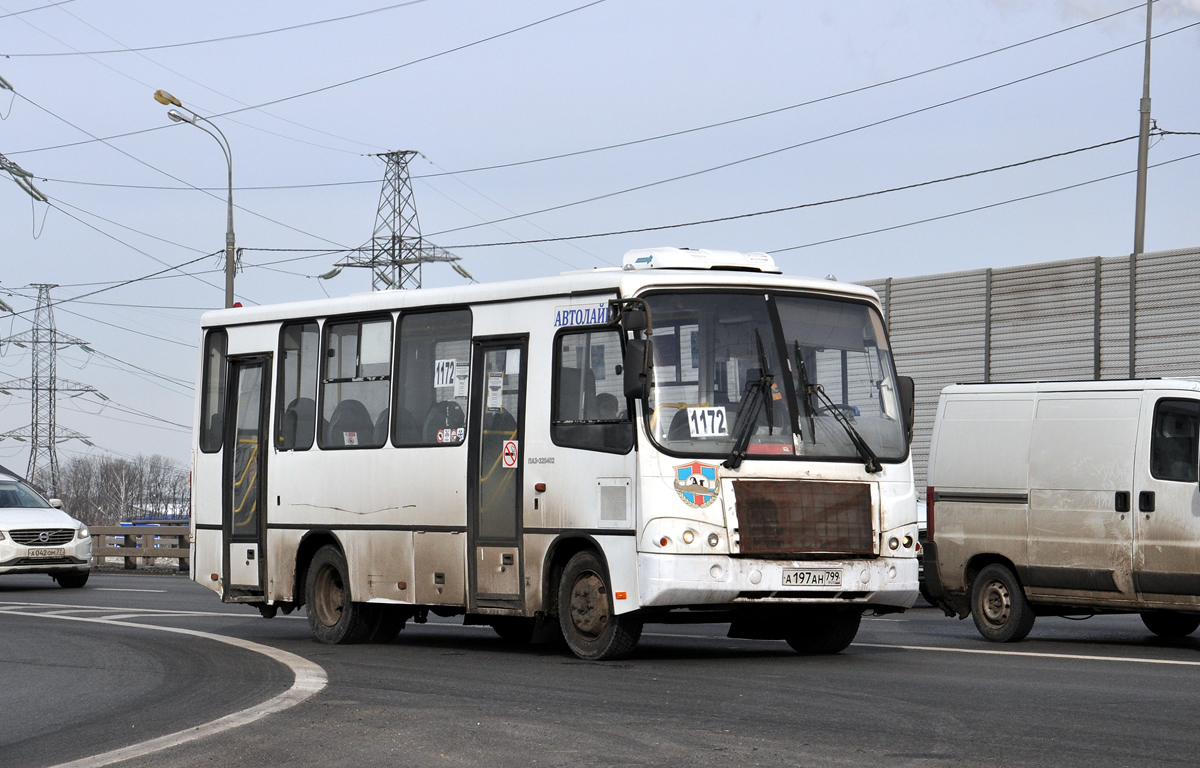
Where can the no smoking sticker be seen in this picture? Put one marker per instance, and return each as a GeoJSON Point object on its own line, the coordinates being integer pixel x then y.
{"type": "Point", "coordinates": [510, 454]}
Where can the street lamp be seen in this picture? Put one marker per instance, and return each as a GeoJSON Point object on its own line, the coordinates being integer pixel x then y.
{"type": "Point", "coordinates": [188, 116]}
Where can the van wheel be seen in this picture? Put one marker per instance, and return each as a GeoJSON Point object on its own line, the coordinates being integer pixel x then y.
{"type": "Point", "coordinates": [585, 612]}
{"type": "Point", "coordinates": [1170, 623]}
{"type": "Point", "coordinates": [334, 619]}
{"type": "Point", "coordinates": [998, 606]}
{"type": "Point", "coordinates": [823, 631]}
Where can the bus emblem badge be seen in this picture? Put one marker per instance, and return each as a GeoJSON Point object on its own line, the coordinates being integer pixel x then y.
{"type": "Point", "coordinates": [696, 484]}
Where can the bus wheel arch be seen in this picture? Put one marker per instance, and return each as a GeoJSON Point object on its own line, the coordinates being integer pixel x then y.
{"type": "Point", "coordinates": [309, 545]}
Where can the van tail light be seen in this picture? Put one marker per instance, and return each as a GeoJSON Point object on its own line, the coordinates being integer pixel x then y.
{"type": "Point", "coordinates": [929, 498]}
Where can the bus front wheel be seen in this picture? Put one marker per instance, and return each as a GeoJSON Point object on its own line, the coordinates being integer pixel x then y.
{"type": "Point", "coordinates": [334, 619]}
{"type": "Point", "coordinates": [585, 612]}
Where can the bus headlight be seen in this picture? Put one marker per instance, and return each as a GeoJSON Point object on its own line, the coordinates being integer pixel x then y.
{"type": "Point", "coordinates": [713, 539]}
{"type": "Point", "coordinates": [689, 537]}
{"type": "Point", "coordinates": [908, 541]}
{"type": "Point", "coordinates": [893, 543]}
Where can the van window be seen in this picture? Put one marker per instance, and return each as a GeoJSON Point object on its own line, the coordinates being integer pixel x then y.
{"type": "Point", "coordinates": [296, 401]}
{"type": "Point", "coordinates": [1173, 445]}
{"type": "Point", "coordinates": [433, 361]}
{"type": "Point", "coordinates": [355, 386]}
{"type": "Point", "coordinates": [589, 409]}
{"type": "Point", "coordinates": [212, 392]}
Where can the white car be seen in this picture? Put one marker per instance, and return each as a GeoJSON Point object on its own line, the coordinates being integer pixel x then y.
{"type": "Point", "coordinates": [36, 536]}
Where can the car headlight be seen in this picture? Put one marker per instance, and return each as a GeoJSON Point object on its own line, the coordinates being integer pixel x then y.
{"type": "Point", "coordinates": [1, 535]}
{"type": "Point", "coordinates": [83, 532]}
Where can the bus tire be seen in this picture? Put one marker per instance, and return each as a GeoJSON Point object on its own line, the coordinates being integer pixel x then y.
{"type": "Point", "coordinates": [334, 619]}
{"type": "Point", "coordinates": [72, 580]}
{"type": "Point", "coordinates": [585, 612]}
{"type": "Point", "coordinates": [823, 631]}
{"type": "Point", "coordinates": [1171, 624]}
{"type": "Point", "coordinates": [388, 621]}
{"type": "Point", "coordinates": [998, 606]}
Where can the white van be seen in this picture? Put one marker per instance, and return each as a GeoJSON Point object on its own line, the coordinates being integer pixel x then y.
{"type": "Point", "coordinates": [1066, 498]}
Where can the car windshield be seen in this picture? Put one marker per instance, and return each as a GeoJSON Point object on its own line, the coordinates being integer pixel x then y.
{"type": "Point", "coordinates": [727, 364]}
{"type": "Point", "coordinates": [16, 494]}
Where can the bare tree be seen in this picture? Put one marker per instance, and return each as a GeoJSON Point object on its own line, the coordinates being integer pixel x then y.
{"type": "Point", "coordinates": [105, 490]}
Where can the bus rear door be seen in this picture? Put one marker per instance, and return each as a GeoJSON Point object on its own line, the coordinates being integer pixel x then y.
{"type": "Point", "coordinates": [243, 516]}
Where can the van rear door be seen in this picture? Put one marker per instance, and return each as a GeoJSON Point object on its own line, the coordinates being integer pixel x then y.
{"type": "Point", "coordinates": [1166, 501]}
{"type": "Point", "coordinates": [1080, 463]}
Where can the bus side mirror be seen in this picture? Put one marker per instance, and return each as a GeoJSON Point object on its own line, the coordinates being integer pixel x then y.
{"type": "Point", "coordinates": [908, 396]}
{"type": "Point", "coordinates": [638, 354]}
{"type": "Point", "coordinates": [630, 316]}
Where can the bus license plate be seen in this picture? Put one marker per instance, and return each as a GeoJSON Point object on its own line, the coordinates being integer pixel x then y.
{"type": "Point", "coordinates": [46, 552]}
{"type": "Point", "coordinates": [812, 577]}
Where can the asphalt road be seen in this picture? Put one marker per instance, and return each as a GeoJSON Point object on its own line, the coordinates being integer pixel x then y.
{"type": "Point", "coordinates": [917, 689]}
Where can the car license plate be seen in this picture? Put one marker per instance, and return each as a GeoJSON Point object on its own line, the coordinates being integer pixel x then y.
{"type": "Point", "coordinates": [46, 552]}
{"type": "Point", "coordinates": [812, 577]}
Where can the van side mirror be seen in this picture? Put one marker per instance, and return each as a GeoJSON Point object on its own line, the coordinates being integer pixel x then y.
{"type": "Point", "coordinates": [908, 396]}
{"type": "Point", "coordinates": [638, 356]}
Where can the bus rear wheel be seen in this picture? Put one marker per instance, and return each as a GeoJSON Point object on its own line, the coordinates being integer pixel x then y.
{"type": "Point", "coordinates": [1171, 624]}
{"type": "Point", "coordinates": [334, 619]}
{"type": "Point", "coordinates": [821, 631]}
{"type": "Point", "coordinates": [591, 628]}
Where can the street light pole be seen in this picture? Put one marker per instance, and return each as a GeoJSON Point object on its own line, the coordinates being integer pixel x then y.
{"type": "Point", "coordinates": [189, 116]}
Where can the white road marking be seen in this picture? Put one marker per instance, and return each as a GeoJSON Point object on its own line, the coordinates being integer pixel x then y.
{"type": "Point", "coordinates": [308, 680]}
{"type": "Point", "coordinates": [939, 649]}
{"type": "Point", "coordinates": [1031, 654]}
{"type": "Point", "coordinates": [122, 589]}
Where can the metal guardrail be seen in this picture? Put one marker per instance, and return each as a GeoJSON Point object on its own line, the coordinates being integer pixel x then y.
{"type": "Point", "coordinates": [145, 542]}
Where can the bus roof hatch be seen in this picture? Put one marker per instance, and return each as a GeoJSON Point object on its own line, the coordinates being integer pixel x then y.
{"type": "Point", "coordinates": [698, 258]}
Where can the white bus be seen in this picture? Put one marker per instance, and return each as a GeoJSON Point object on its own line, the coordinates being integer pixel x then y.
{"type": "Point", "coordinates": [692, 437]}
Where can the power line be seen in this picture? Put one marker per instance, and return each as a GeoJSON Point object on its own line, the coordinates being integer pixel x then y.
{"type": "Point", "coordinates": [791, 147]}
{"type": "Point", "coordinates": [129, 330]}
{"type": "Point", "coordinates": [211, 39]}
{"type": "Point", "coordinates": [351, 81]}
{"type": "Point", "coordinates": [978, 208]}
{"type": "Point", "coordinates": [39, 8]}
{"type": "Point", "coordinates": [800, 206]}
{"type": "Point", "coordinates": [643, 140]}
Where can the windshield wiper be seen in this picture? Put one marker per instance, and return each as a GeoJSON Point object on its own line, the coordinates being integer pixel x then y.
{"type": "Point", "coordinates": [758, 395]}
{"type": "Point", "coordinates": [807, 386]}
{"type": "Point", "coordinates": [864, 451]}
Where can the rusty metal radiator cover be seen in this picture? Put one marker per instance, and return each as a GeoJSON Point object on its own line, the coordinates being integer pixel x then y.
{"type": "Point", "coordinates": [795, 517]}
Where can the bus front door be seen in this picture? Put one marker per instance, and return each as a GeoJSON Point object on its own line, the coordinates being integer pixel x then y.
{"type": "Point", "coordinates": [494, 474]}
{"type": "Point", "coordinates": [243, 518]}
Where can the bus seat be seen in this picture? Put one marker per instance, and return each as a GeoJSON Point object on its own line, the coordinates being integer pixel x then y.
{"type": "Point", "coordinates": [569, 406]}
{"type": "Point", "coordinates": [405, 429]}
{"type": "Point", "coordinates": [350, 424]}
{"type": "Point", "coordinates": [298, 419]}
{"type": "Point", "coordinates": [446, 414]}
{"type": "Point", "coordinates": [381, 427]}
{"type": "Point", "coordinates": [679, 429]}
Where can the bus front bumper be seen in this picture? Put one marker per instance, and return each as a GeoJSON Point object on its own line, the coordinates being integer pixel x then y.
{"type": "Point", "coordinates": [669, 580]}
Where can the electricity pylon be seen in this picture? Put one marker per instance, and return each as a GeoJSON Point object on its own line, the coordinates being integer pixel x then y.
{"type": "Point", "coordinates": [43, 432]}
{"type": "Point", "coordinates": [397, 250]}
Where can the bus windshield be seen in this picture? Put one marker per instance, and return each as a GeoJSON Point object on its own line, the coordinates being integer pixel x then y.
{"type": "Point", "coordinates": [771, 369]}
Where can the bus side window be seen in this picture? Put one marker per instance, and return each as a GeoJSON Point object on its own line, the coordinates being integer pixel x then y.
{"type": "Point", "coordinates": [356, 383]}
{"type": "Point", "coordinates": [588, 407]}
{"type": "Point", "coordinates": [212, 392]}
{"type": "Point", "coordinates": [296, 400]}
{"type": "Point", "coordinates": [433, 360]}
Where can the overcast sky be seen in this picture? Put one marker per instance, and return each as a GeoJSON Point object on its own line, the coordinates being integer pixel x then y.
{"type": "Point", "coordinates": [772, 105]}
